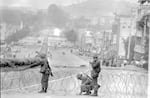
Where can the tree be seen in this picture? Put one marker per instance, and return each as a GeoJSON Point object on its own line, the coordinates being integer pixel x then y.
{"type": "Point", "coordinates": [57, 16]}
{"type": "Point", "coordinates": [18, 35]}
{"type": "Point", "coordinates": [71, 35]}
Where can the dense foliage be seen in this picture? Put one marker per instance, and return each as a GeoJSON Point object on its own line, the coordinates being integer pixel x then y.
{"type": "Point", "coordinates": [18, 35]}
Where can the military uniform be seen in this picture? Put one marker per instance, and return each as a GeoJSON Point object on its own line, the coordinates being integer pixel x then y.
{"type": "Point", "coordinates": [86, 84]}
{"type": "Point", "coordinates": [46, 71]}
{"type": "Point", "coordinates": [95, 73]}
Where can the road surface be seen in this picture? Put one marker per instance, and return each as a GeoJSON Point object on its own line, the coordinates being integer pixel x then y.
{"type": "Point", "coordinates": [61, 57]}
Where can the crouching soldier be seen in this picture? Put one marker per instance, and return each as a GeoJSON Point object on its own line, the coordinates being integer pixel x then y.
{"type": "Point", "coordinates": [45, 71]}
{"type": "Point", "coordinates": [87, 84]}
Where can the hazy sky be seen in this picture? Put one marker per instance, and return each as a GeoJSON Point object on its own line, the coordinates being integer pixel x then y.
{"type": "Point", "coordinates": [41, 3]}
{"type": "Point", "coordinates": [36, 3]}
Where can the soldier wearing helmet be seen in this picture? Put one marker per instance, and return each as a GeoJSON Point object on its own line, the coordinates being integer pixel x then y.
{"type": "Point", "coordinates": [87, 84]}
{"type": "Point", "coordinates": [96, 68]}
{"type": "Point", "coordinates": [46, 71]}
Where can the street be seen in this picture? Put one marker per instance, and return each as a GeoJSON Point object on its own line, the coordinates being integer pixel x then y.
{"type": "Point", "coordinates": [74, 48]}
{"type": "Point", "coordinates": [65, 83]}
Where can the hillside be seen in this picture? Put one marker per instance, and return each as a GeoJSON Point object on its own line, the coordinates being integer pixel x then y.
{"type": "Point", "coordinates": [92, 8]}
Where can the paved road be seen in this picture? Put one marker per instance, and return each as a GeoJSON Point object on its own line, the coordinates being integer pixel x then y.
{"type": "Point", "coordinates": [67, 59]}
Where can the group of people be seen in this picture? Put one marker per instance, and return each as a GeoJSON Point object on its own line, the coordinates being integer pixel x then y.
{"type": "Point", "coordinates": [90, 83]}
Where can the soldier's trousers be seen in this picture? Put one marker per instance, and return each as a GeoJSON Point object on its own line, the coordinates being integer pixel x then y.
{"type": "Point", "coordinates": [94, 76]}
{"type": "Point", "coordinates": [95, 80]}
{"type": "Point", "coordinates": [44, 81]}
{"type": "Point", "coordinates": [96, 86]}
{"type": "Point", "coordinates": [86, 88]}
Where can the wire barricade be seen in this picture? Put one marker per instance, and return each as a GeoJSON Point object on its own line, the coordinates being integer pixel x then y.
{"type": "Point", "coordinates": [121, 83]}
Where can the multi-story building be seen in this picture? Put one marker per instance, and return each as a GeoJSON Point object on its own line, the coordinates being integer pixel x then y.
{"type": "Point", "coordinates": [99, 38]}
{"type": "Point", "coordinates": [125, 32]}
{"type": "Point", "coordinates": [125, 28]}
{"type": "Point", "coordinates": [142, 34]}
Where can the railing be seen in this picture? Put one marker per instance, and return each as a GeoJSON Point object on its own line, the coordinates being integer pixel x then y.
{"type": "Point", "coordinates": [114, 83]}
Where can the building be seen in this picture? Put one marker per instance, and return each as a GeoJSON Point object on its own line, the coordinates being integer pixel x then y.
{"type": "Point", "coordinates": [125, 28]}
{"type": "Point", "coordinates": [98, 39]}
{"type": "Point", "coordinates": [142, 34]}
{"type": "Point", "coordinates": [89, 38]}
{"type": "Point", "coordinates": [125, 32]}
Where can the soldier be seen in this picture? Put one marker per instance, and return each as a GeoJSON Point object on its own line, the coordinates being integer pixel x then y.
{"type": "Point", "coordinates": [46, 71]}
{"type": "Point", "coordinates": [86, 84]}
{"type": "Point", "coordinates": [95, 73]}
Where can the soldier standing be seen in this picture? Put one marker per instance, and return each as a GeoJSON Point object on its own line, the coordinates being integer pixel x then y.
{"type": "Point", "coordinates": [46, 71]}
{"type": "Point", "coordinates": [95, 64]}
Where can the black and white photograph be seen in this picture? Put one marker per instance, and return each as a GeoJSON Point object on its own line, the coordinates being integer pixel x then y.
{"type": "Point", "coordinates": [74, 48]}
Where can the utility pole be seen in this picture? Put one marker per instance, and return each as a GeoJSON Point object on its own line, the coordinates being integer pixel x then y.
{"type": "Point", "coordinates": [129, 44]}
{"type": "Point", "coordinates": [130, 34]}
{"type": "Point", "coordinates": [117, 18]}
{"type": "Point", "coordinates": [149, 60]}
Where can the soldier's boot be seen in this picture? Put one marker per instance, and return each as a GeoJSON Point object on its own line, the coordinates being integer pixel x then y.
{"type": "Point", "coordinates": [42, 91]}
{"type": "Point", "coordinates": [45, 87]}
{"type": "Point", "coordinates": [87, 93]}
{"type": "Point", "coordinates": [95, 93]}
{"type": "Point", "coordinates": [96, 90]}
{"type": "Point", "coordinates": [45, 90]}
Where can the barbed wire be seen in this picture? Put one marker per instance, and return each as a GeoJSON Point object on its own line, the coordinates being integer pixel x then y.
{"type": "Point", "coordinates": [20, 79]}
{"type": "Point", "coordinates": [113, 82]}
